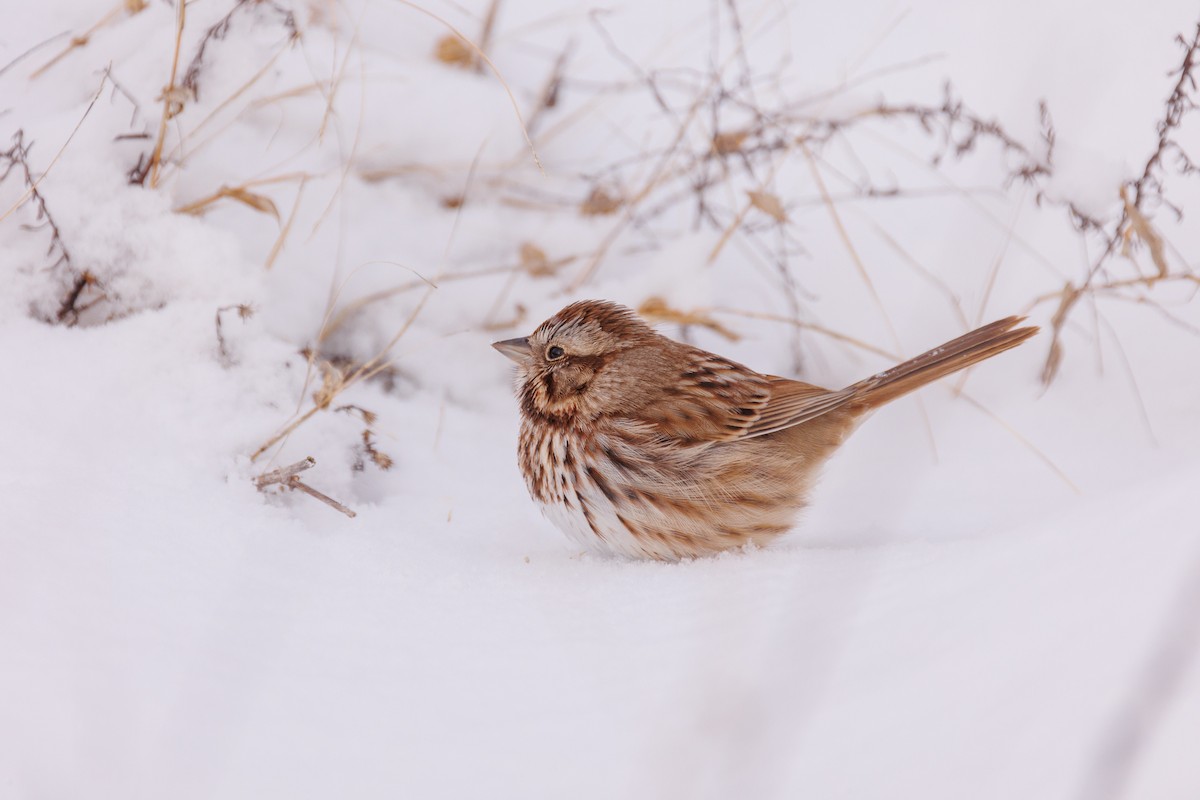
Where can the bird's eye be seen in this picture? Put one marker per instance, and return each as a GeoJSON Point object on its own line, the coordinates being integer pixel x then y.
{"type": "Point", "coordinates": [554, 352]}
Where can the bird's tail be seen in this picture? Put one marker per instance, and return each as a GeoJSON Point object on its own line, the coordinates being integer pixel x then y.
{"type": "Point", "coordinates": [960, 353]}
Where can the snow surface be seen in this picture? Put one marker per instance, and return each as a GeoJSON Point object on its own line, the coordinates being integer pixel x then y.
{"type": "Point", "coordinates": [975, 606]}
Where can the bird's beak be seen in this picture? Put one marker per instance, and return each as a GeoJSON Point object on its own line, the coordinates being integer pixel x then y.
{"type": "Point", "coordinates": [516, 349]}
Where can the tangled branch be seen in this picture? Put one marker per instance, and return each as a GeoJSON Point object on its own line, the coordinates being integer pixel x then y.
{"type": "Point", "coordinates": [78, 281]}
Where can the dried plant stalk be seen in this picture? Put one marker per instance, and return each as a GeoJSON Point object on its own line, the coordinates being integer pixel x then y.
{"type": "Point", "coordinates": [289, 476]}
{"type": "Point", "coordinates": [173, 98]}
{"type": "Point", "coordinates": [284, 474]}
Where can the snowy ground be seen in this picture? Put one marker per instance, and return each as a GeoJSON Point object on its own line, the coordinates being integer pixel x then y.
{"type": "Point", "coordinates": [990, 597]}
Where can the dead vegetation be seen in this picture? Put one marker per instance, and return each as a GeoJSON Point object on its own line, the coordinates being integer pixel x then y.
{"type": "Point", "coordinates": [178, 92]}
{"type": "Point", "coordinates": [241, 194]}
{"type": "Point", "coordinates": [289, 478]}
{"type": "Point", "coordinates": [718, 168]}
{"type": "Point", "coordinates": [457, 51]}
{"type": "Point", "coordinates": [244, 312]}
{"type": "Point", "coordinates": [80, 288]}
{"type": "Point", "coordinates": [727, 137]}
{"type": "Point", "coordinates": [730, 143]}
{"type": "Point", "coordinates": [123, 9]}
{"type": "Point", "coordinates": [1132, 230]}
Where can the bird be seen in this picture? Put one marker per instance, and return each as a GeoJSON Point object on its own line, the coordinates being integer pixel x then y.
{"type": "Point", "coordinates": [637, 445]}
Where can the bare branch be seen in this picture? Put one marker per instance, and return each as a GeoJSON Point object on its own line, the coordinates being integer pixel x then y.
{"type": "Point", "coordinates": [289, 477]}
{"type": "Point", "coordinates": [295, 483]}
{"type": "Point", "coordinates": [284, 474]}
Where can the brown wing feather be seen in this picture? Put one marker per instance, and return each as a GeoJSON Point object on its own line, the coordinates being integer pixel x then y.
{"type": "Point", "coordinates": [713, 400]}
{"type": "Point", "coordinates": [718, 400]}
{"type": "Point", "coordinates": [794, 402]}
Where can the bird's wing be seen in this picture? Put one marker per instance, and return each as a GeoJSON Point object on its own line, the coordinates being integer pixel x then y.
{"type": "Point", "coordinates": [711, 399]}
{"type": "Point", "coordinates": [792, 403]}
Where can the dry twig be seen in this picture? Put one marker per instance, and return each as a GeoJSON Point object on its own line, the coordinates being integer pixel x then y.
{"type": "Point", "coordinates": [128, 7]}
{"type": "Point", "coordinates": [295, 483]}
{"type": "Point", "coordinates": [191, 77]}
{"type": "Point", "coordinates": [77, 281]}
{"type": "Point", "coordinates": [289, 477]}
{"type": "Point", "coordinates": [173, 98]}
{"type": "Point", "coordinates": [1135, 195]}
{"type": "Point", "coordinates": [284, 474]}
{"type": "Point", "coordinates": [244, 311]}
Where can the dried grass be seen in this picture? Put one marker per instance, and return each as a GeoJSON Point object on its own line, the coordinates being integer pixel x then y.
{"type": "Point", "coordinates": [259, 202]}
{"type": "Point", "coordinates": [495, 71]}
{"type": "Point", "coordinates": [173, 99]}
{"type": "Point", "coordinates": [1134, 225]}
{"type": "Point", "coordinates": [78, 280]}
{"type": "Point", "coordinates": [655, 309]}
{"type": "Point", "coordinates": [125, 8]}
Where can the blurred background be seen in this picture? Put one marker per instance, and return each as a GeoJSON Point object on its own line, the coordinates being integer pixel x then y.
{"type": "Point", "coordinates": [238, 234]}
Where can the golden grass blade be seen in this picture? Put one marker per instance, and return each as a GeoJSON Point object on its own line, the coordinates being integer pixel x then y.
{"type": "Point", "coordinates": [172, 104]}
{"type": "Point", "coordinates": [130, 7]}
{"type": "Point", "coordinates": [277, 248]}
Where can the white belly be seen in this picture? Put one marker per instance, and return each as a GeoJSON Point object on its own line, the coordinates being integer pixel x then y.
{"type": "Point", "coordinates": [599, 529]}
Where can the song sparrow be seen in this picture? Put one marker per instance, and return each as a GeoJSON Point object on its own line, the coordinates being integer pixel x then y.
{"type": "Point", "coordinates": [638, 445]}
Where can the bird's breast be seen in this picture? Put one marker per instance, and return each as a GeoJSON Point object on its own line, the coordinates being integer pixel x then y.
{"type": "Point", "coordinates": [576, 485]}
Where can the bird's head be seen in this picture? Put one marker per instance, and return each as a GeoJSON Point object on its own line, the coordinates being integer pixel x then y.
{"type": "Point", "coordinates": [582, 362]}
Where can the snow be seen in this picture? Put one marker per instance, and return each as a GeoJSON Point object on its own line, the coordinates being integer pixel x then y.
{"type": "Point", "coordinates": [974, 605]}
